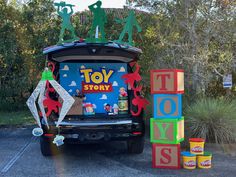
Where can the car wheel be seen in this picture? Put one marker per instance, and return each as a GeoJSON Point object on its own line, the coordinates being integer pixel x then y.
{"type": "Point", "coordinates": [135, 145]}
{"type": "Point", "coordinates": [47, 147]}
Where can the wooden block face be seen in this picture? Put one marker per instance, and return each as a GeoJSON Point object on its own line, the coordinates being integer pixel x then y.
{"type": "Point", "coordinates": [166, 156]}
{"type": "Point", "coordinates": [167, 81]}
{"type": "Point", "coordinates": [180, 82]}
{"type": "Point", "coordinates": [167, 131]}
{"type": "Point", "coordinates": [180, 130]}
{"type": "Point", "coordinates": [167, 105]}
{"type": "Point", "coordinates": [163, 131]}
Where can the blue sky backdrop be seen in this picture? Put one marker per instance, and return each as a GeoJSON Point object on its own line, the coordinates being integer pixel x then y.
{"type": "Point", "coordinates": [70, 79]}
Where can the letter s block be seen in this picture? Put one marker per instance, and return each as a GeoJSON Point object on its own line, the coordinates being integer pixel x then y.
{"type": "Point", "coordinates": [167, 81]}
{"type": "Point", "coordinates": [167, 106]}
{"type": "Point", "coordinates": [166, 156]}
{"type": "Point", "coordinates": [167, 131]}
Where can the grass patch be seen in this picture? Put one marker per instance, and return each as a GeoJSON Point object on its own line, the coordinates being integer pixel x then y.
{"type": "Point", "coordinates": [16, 118]}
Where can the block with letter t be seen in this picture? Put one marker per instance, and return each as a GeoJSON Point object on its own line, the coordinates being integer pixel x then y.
{"type": "Point", "coordinates": [167, 131]}
{"type": "Point", "coordinates": [167, 106]}
{"type": "Point", "coordinates": [166, 156]}
{"type": "Point", "coordinates": [167, 81]}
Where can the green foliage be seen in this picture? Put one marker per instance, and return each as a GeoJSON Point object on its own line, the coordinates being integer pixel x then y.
{"type": "Point", "coordinates": [212, 119]}
{"type": "Point", "coordinates": [24, 31]}
{"type": "Point", "coordinates": [16, 118]}
{"type": "Point", "coordinates": [196, 36]}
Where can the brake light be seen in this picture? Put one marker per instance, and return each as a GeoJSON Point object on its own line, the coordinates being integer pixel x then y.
{"type": "Point", "coordinates": [137, 133]}
{"type": "Point", "coordinates": [48, 134]}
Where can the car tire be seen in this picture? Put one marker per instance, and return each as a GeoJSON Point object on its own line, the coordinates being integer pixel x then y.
{"type": "Point", "coordinates": [47, 147]}
{"type": "Point", "coordinates": [135, 145]}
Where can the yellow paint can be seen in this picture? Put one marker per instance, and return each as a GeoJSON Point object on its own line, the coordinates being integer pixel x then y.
{"type": "Point", "coordinates": [189, 160]}
{"type": "Point", "coordinates": [196, 145]}
{"type": "Point", "coordinates": [204, 160]}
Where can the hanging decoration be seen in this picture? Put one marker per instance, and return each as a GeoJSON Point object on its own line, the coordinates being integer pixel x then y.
{"type": "Point", "coordinates": [139, 101]}
{"type": "Point", "coordinates": [129, 23]}
{"type": "Point", "coordinates": [37, 131]}
{"type": "Point", "coordinates": [39, 92]}
{"type": "Point", "coordinates": [58, 140]}
{"type": "Point", "coordinates": [48, 102]}
{"type": "Point", "coordinates": [62, 10]}
{"type": "Point", "coordinates": [99, 20]}
{"type": "Point", "coordinates": [131, 79]}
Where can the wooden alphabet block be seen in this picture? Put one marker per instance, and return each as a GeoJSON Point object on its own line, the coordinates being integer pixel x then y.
{"type": "Point", "coordinates": [167, 81]}
{"type": "Point", "coordinates": [166, 156]}
{"type": "Point", "coordinates": [167, 106]}
{"type": "Point", "coordinates": [167, 131]}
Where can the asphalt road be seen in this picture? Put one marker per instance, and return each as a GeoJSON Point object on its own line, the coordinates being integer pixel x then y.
{"type": "Point", "coordinates": [20, 156]}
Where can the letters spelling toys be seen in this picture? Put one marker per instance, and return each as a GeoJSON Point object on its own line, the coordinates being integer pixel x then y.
{"type": "Point", "coordinates": [204, 160]}
{"type": "Point", "coordinates": [167, 124]}
{"type": "Point", "coordinates": [197, 145]}
{"type": "Point", "coordinates": [189, 160]}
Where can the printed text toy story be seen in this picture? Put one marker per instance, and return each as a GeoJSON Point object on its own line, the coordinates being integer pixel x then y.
{"type": "Point", "coordinates": [96, 81]}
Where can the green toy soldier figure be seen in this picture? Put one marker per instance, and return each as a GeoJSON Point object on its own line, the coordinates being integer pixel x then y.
{"type": "Point", "coordinates": [62, 10]}
{"type": "Point", "coordinates": [130, 22]}
{"type": "Point", "coordinates": [99, 20]}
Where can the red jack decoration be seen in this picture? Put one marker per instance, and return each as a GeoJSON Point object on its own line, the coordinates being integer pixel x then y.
{"type": "Point", "coordinates": [49, 103]}
{"type": "Point", "coordinates": [139, 101]}
{"type": "Point", "coordinates": [131, 79]}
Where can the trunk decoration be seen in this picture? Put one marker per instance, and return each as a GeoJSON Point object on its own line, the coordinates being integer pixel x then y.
{"type": "Point", "coordinates": [40, 91]}
{"type": "Point", "coordinates": [48, 102]}
{"type": "Point", "coordinates": [138, 100]}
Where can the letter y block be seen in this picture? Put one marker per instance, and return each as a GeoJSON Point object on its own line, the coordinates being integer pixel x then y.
{"type": "Point", "coordinates": [167, 131]}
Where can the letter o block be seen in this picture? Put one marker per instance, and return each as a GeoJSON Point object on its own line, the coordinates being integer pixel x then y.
{"type": "Point", "coordinates": [167, 131]}
{"type": "Point", "coordinates": [167, 81]}
{"type": "Point", "coordinates": [166, 156]}
{"type": "Point", "coordinates": [167, 106]}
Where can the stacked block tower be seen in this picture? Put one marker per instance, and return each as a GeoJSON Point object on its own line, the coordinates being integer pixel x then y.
{"type": "Point", "coordinates": [167, 124]}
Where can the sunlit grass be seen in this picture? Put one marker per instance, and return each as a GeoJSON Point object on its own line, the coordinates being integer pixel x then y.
{"type": "Point", "coordinates": [16, 118]}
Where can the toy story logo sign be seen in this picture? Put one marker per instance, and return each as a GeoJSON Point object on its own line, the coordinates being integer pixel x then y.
{"type": "Point", "coordinates": [96, 81]}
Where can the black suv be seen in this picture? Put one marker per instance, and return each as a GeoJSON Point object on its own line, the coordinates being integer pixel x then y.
{"type": "Point", "coordinates": [98, 127]}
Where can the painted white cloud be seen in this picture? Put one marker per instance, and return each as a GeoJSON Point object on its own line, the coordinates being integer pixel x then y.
{"type": "Point", "coordinates": [104, 67]}
{"type": "Point", "coordinates": [104, 97]}
{"type": "Point", "coordinates": [64, 75]}
{"type": "Point", "coordinates": [66, 68]}
{"type": "Point", "coordinates": [82, 67]}
{"type": "Point", "coordinates": [70, 91]}
{"type": "Point", "coordinates": [73, 83]}
{"type": "Point", "coordinates": [115, 106]}
{"type": "Point", "coordinates": [82, 76]}
{"type": "Point", "coordinates": [115, 84]}
{"type": "Point", "coordinates": [122, 69]}
{"type": "Point", "coordinates": [94, 106]}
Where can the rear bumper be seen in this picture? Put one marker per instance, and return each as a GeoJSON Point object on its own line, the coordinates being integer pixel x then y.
{"type": "Point", "coordinates": [88, 131]}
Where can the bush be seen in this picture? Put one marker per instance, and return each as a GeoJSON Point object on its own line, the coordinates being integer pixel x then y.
{"type": "Point", "coordinates": [212, 119]}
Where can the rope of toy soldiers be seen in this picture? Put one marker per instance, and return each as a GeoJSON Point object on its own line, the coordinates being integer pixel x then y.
{"type": "Point", "coordinates": [97, 31]}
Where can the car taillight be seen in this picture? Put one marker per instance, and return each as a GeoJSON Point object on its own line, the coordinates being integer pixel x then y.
{"type": "Point", "coordinates": [137, 133]}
